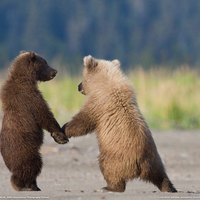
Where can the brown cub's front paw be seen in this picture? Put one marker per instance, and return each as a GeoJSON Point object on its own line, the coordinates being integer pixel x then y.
{"type": "Point", "coordinates": [59, 137]}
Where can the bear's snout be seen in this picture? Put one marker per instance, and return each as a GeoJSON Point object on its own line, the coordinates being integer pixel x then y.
{"type": "Point", "coordinates": [80, 88]}
{"type": "Point", "coordinates": [53, 73]}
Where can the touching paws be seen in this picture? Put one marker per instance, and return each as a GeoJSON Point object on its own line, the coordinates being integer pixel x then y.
{"type": "Point", "coordinates": [64, 130]}
{"type": "Point", "coordinates": [59, 137]}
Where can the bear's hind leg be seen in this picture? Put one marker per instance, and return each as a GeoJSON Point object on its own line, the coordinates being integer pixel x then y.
{"type": "Point", "coordinates": [165, 185]}
{"type": "Point", "coordinates": [113, 174]}
{"type": "Point", "coordinates": [25, 178]}
{"type": "Point", "coordinates": [33, 186]}
{"type": "Point", "coordinates": [115, 183]}
{"type": "Point", "coordinates": [18, 184]}
{"type": "Point", "coordinates": [159, 178]}
{"type": "Point", "coordinates": [157, 175]}
{"type": "Point", "coordinates": [114, 187]}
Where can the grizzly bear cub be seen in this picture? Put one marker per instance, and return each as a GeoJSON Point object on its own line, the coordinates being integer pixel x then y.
{"type": "Point", "coordinates": [127, 149]}
{"type": "Point", "coordinates": [26, 114]}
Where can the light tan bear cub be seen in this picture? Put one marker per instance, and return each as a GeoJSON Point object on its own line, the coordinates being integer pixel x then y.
{"type": "Point", "coordinates": [127, 149]}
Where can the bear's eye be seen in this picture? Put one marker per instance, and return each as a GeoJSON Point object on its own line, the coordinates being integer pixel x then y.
{"type": "Point", "coordinates": [44, 62]}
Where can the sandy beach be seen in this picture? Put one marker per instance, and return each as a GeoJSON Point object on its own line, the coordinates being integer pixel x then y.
{"type": "Point", "coordinates": [71, 171]}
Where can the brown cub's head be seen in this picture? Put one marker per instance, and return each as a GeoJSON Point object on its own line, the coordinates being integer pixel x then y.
{"type": "Point", "coordinates": [38, 66]}
{"type": "Point", "coordinates": [96, 74]}
{"type": "Point", "coordinates": [43, 71]}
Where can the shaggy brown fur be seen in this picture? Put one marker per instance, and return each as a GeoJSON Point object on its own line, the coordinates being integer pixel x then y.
{"type": "Point", "coordinates": [25, 115]}
{"type": "Point", "coordinates": [127, 149]}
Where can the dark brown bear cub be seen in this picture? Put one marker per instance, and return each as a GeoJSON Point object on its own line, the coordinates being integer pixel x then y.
{"type": "Point", "coordinates": [26, 114]}
{"type": "Point", "coordinates": [127, 148]}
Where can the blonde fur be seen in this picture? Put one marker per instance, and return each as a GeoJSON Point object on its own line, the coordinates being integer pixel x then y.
{"type": "Point", "coordinates": [127, 149]}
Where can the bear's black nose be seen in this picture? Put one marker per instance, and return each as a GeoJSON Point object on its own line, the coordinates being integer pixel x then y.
{"type": "Point", "coordinates": [80, 87]}
{"type": "Point", "coordinates": [53, 73]}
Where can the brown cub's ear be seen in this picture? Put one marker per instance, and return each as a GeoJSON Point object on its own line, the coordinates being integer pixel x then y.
{"type": "Point", "coordinates": [89, 62]}
{"type": "Point", "coordinates": [21, 52]}
{"type": "Point", "coordinates": [32, 54]}
{"type": "Point", "coordinates": [116, 62]}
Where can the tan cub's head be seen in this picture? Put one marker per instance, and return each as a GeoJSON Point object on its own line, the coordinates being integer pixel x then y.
{"type": "Point", "coordinates": [96, 73]}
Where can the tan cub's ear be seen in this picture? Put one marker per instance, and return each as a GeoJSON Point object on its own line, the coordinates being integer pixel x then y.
{"type": "Point", "coordinates": [21, 52]}
{"type": "Point", "coordinates": [89, 62]}
{"type": "Point", "coordinates": [32, 54]}
{"type": "Point", "coordinates": [116, 62]}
